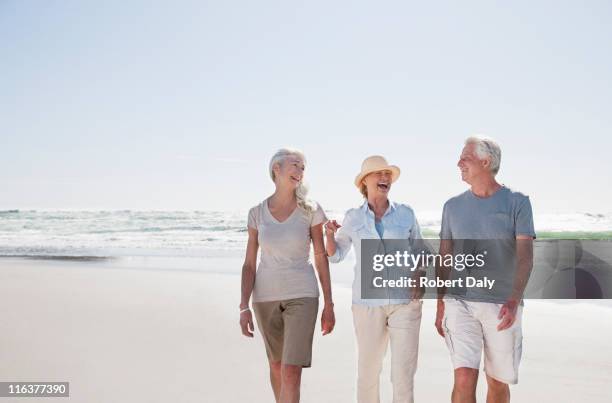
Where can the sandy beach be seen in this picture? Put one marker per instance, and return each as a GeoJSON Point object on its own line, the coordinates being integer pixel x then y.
{"type": "Point", "coordinates": [143, 331]}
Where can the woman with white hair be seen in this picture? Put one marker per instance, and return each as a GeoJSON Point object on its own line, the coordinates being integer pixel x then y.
{"type": "Point", "coordinates": [283, 283]}
{"type": "Point", "coordinates": [394, 320]}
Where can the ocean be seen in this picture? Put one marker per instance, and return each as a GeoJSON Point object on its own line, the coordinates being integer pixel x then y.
{"type": "Point", "coordinates": [117, 233]}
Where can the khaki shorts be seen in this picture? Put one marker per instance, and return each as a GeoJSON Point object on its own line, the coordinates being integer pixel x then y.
{"type": "Point", "coordinates": [287, 328]}
{"type": "Point", "coordinates": [469, 326]}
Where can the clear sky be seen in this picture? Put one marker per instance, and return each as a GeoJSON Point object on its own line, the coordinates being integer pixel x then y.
{"type": "Point", "coordinates": [180, 104]}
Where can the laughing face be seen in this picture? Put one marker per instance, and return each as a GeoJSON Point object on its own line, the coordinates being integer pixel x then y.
{"type": "Point", "coordinates": [290, 172]}
{"type": "Point", "coordinates": [378, 183]}
{"type": "Point", "coordinates": [471, 166]}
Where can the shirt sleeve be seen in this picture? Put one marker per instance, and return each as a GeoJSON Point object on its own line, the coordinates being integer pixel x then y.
{"type": "Point", "coordinates": [524, 219]}
{"type": "Point", "coordinates": [445, 229]}
{"type": "Point", "coordinates": [252, 220]}
{"type": "Point", "coordinates": [318, 216]}
{"type": "Point", "coordinates": [343, 241]}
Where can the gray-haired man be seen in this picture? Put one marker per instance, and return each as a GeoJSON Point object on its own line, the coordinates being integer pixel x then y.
{"type": "Point", "coordinates": [487, 211]}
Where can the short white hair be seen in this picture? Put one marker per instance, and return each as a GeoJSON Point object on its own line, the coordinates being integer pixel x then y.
{"type": "Point", "coordinates": [486, 147]}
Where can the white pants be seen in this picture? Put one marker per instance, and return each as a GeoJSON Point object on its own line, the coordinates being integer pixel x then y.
{"type": "Point", "coordinates": [374, 327]}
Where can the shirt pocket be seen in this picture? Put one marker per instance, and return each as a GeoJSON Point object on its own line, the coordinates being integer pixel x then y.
{"type": "Point", "coordinates": [361, 231]}
{"type": "Point", "coordinates": [399, 231]}
{"type": "Point", "coordinates": [501, 224]}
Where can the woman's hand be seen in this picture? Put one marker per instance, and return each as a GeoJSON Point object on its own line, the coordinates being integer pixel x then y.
{"type": "Point", "coordinates": [328, 319]}
{"type": "Point", "coordinates": [246, 323]}
{"type": "Point", "coordinates": [331, 227]}
{"type": "Point", "coordinates": [417, 291]}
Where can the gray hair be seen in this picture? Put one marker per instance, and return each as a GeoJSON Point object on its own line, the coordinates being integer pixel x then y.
{"type": "Point", "coordinates": [487, 148]}
{"type": "Point", "coordinates": [301, 191]}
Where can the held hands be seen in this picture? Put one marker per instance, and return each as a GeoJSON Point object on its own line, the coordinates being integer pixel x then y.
{"type": "Point", "coordinates": [246, 323]}
{"type": "Point", "coordinates": [331, 227]}
{"type": "Point", "coordinates": [328, 319]}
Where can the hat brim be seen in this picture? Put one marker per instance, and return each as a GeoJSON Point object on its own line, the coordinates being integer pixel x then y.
{"type": "Point", "coordinates": [395, 173]}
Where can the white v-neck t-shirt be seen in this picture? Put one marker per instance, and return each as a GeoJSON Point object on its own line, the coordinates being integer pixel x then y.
{"type": "Point", "coordinates": [284, 270]}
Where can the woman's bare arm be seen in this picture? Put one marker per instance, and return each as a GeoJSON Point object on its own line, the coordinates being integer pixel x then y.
{"type": "Point", "coordinates": [248, 281]}
{"type": "Point", "coordinates": [322, 265]}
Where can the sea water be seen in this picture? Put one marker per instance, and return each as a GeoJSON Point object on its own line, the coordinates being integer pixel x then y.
{"type": "Point", "coordinates": [199, 233]}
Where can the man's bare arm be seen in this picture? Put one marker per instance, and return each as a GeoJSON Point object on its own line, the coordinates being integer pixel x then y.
{"type": "Point", "coordinates": [524, 258]}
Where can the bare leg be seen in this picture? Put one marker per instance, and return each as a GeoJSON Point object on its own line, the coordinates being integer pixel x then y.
{"type": "Point", "coordinates": [291, 376]}
{"type": "Point", "coordinates": [464, 390]}
{"type": "Point", "coordinates": [498, 392]}
{"type": "Point", "coordinates": [275, 378]}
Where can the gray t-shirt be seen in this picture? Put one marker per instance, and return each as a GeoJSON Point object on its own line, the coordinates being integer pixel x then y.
{"type": "Point", "coordinates": [497, 220]}
{"type": "Point", "coordinates": [284, 270]}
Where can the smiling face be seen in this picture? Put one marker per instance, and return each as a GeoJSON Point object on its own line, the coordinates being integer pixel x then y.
{"type": "Point", "coordinates": [378, 183]}
{"type": "Point", "coordinates": [289, 172]}
{"type": "Point", "coordinates": [471, 166]}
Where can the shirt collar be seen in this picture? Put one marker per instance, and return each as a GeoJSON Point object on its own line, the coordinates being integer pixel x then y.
{"type": "Point", "coordinates": [366, 209]}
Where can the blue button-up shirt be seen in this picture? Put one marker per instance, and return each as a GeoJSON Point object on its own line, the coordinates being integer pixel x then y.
{"type": "Point", "coordinates": [399, 222]}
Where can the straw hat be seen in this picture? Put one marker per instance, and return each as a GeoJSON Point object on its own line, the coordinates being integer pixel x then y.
{"type": "Point", "coordinates": [373, 164]}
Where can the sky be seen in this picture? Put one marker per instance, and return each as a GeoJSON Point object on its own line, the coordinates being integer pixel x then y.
{"type": "Point", "coordinates": [180, 105]}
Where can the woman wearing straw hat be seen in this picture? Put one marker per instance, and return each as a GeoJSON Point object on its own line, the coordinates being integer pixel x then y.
{"type": "Point", "coordinates": [379, 321]}
{"type": "Point", "coordinates": [284, 285]}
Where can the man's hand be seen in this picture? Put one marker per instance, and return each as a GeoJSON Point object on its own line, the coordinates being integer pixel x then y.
{"type": "Point", "coordinates": [507, 314]}
{"type": "Point", "coordinates": [328, 319]}
{"type": "Point", "coordinates": [439, 317]}
{"type": "Point", "coordinates": [246, 323]}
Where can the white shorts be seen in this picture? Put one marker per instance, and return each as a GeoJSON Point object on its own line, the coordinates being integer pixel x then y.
{"type": "Point", "coordinates": [468, 325]}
